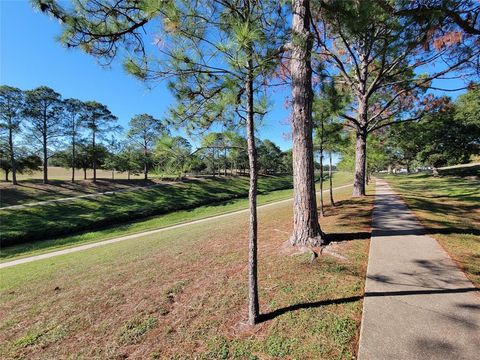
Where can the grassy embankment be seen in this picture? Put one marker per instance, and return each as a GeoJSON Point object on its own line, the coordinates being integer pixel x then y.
{"type": "Point", "coordinates": [449, 208]}
{"type": "Point", "coordinates": [210, 190]}
{"type": "Point", "coordinates": [33, 191]}
{"type": "Point", "coordinates": [183, 294]}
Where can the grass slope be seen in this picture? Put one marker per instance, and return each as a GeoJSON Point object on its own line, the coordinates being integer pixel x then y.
{"type": "Point", "coordinates": [59, 218]}
{"type": "Point", "coordinates": [182, 294]}
{"type": "Point", "coordinates": [28, 192]}
{"type": "Point", "coordinates": [449, 209]}
{"type": "Point", "coordinates": [132, 227]}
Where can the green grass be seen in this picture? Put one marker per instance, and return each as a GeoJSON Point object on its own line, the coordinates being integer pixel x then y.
{"type": "Point", "coordinates": [449, 208]}
{"type": "Point", "coordinates": [54, 219]}
{"type": "Point", "coordinates": [173, 218]}
{"type": "Point", "coordinates": [28, 192]}
{"type": "Point", "coordinates": [183, 294]}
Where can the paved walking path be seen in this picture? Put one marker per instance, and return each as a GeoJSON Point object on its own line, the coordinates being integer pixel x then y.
{"type": "Point", "coordinates": [418, 304]}
{"type": "Point", "coordinates": [136, 235]}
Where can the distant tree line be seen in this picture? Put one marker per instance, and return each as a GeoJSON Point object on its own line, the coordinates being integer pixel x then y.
{"type": "Point", "coordinates": [39, 128]}
{"type": "Point", "coordinates": [446, 135]}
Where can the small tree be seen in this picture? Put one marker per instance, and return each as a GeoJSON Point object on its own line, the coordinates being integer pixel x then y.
{"type": "Point", "coordinates": [129, 160]}
{"type": "Point", "coordinates": [73, 111]}
{"type": "Point", "coordinates": [174, 154]}
{"type": "Point", "coordinates": [144, 131]}
{"type": "Point", "coordinates": [11, 107]}
{"type": "Point", "coordinates": [43, 108]}
{"type": "Point", "coordinates": [25, 164]}
{"type": "Point", "coordinates": [326, 109]}
{"type": "Point", "coordinates": [99, 120]}
{"type": "Point", "coordinates": [269, 157]}
{"type": "Point", "coordinates": [113, 159]}
{"type": "Point", "coordinates": [223, 52]}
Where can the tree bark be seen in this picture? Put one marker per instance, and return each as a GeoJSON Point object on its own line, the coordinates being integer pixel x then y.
{"type": "Point", "coordinates": [253, 304]}
{"type": "Point", "coordinates": [6, 175]}
{"type": "Point", "coordinates": [330, 179]}
{"type": "Point", "coordinates": [84, 174]}
{"type": "Point", "coordinates": [94, 158]}
{"type": "Point", "coordinates": [225, 154]}
{"type": "Point", "coordinates": [145, 163]}
{"type": "Point", "coordinates": [12, 155]}
{"type": "Point", "coordinates": [45, 149]}
{"type": "Point", "coordinates": [306, 228]}
{"type": "Point", "coordinates": [73, 157]}
{"type": "Point", "coordinates": [360, 163]}
{"type": "Point", "coordinates": [367, 179]}
{"type": "Point", "coordinates": [321, 181]}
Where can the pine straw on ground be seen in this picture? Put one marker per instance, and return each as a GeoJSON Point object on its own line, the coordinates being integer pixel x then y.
{"type": "Point", "coordinates": [182, 294]}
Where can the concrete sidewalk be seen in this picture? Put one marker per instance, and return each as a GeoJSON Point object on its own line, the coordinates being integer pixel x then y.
{"type": "Point", "coordinates": [418, 304]}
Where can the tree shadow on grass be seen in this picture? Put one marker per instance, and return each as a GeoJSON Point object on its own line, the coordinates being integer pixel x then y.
{"type": "Point", "coordinates": [316, 304]}
{"type": "Point", "coordinates": [339, 237]}
{"type": "Point", "coordinates": [310, 305]}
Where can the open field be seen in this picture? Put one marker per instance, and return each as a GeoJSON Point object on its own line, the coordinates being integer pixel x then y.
{"type": "Point", "coordinates": [449, 208]}
{"type": "Point", "coordinates": [60, 218]}
{"type": "Point", "coordinates": [59, 173]}
{"type": "Point", "coordinates": [472, 169]}
{"type": "Point", "coordinates": [132, 227]}
{"type": "Point", "coordinates": [182, 294]}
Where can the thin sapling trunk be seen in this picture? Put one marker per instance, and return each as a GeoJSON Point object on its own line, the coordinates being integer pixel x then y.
{"type": "Point", "coordinates": [330, 179]}
{"type": "Point", "coordinates": [253, 304]}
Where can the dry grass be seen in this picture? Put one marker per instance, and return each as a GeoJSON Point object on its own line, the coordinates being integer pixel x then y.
{"type": "Point", "coordinates": [182, 295]}
{"type": "Point", "coordinates": [59, 173]}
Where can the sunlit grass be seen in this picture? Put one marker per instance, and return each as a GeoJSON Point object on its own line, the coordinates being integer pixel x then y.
{"type": "Point", "coordinates": [127, 228]}
{"type": "Point", "coordinates": [182, 294]}
{"type": "Point", "coordinates": [449, 208]}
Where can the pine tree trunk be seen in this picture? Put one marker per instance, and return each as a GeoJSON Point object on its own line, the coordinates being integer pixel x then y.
{"type": "Point", "coordinates": [360, 163]}
{"type": "Point", "coordinates": [128, 174]}
{"type": "Point", "coordinates": [253, 304]}
{"type": "Point", "coordinates": [12, 156]}
{"type": "Point", "coordinates": [45, 159]}
{"type": "Point", "coordinates": [45, 148]}
{"type": "Point", "coordinates": [330, 179]}
{"type": "Point", "coordinates": [321, 181]}
{"type": "Point", "coordinates": [225, 154]}
{"type": "Point", "coordinates": [84, 173]}
{"type": "Point", "coordinates": [145, 165]}
{"type": "Point", "coordinates": [6, 175]}
{"type": "Point", "coordinates": [73, 157]}
{"type": "Point", "coordinates": [94, 158]}
{"type": "Point", "coordinates": [306, 228]}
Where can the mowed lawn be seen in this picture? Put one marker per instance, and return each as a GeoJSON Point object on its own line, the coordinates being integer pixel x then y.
{"type": "Point", "coordinates": [33, 191]}
{"type": "Point", "coordinates": [181, 294]}
{"type": "Point", "coordinates": [59, 218]}
{"type": "Point", "coordinates": [60, 173]}
{"type": "Point", "coordinates": [449, 208]}
{"type": "Point", "coordinates": [30, 248]}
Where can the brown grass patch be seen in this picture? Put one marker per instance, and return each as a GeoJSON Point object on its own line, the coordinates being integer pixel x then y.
{"type": "Point", "coordinates": [182, 294]}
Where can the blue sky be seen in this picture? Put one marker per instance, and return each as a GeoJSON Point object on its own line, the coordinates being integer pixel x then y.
{"type": "Point", "coordinates": [31, 56]}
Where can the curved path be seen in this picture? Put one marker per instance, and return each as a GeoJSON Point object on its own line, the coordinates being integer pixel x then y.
{"type": "Point", "coordinates": [418, 304]}
{"type": "Point", "coordinates": [136, 235]}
